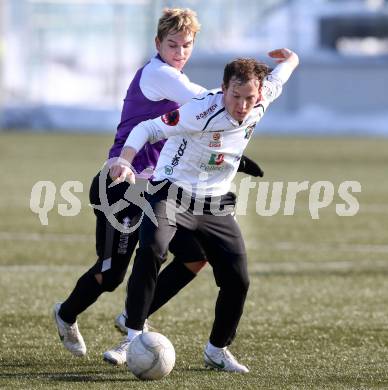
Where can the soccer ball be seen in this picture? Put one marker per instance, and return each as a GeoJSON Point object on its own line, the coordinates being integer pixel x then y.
{"type": "Point", "coordinates": [150, 356]}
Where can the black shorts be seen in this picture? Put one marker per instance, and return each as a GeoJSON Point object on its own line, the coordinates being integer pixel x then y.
{"type": "Point", "coordinates": [185, 246]}
{"type": "Point", "coordinates": [118, 247]}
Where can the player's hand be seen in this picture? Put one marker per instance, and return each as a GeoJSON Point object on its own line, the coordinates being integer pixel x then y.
{"type": "Point", "coordinates": [119, 173]}
{"type": "Point", "coordinates": [282, 55]}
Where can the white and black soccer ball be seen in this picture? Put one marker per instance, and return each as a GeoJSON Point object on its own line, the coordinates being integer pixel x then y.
{"type": "Point", "coordinates": [150, 356]}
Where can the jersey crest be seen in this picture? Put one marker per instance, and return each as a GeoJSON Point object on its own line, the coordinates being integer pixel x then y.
{"type": "Point", "coordinates": [171, 118]}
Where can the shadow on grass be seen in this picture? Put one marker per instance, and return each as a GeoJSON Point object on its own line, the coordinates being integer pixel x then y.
{"type": "Point", "coordinates": [277, 380]}
{"type": "Point", "coordinates": [90, 378]}
{"type": "Point", "coordinates": [96, 377]}
{"type": "Point", "coordinates": [198, 369]}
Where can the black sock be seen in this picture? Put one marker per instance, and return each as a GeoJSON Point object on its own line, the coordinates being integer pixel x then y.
{"type": "Point", "coordinates": [85, 293]}
{"type": "Point", "coordinates": [170, 281]}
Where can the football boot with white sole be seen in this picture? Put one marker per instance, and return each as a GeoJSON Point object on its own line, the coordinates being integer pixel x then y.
{"type": "Point", "coordinates": [222, 359]}
{"type": "Point", "coordinates": [69, 334]}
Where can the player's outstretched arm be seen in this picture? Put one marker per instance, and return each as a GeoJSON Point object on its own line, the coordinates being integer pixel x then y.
{"type": "Point", "coordinates": [285, 56]}
{"type": "Point", "coordinates": [287, 61]}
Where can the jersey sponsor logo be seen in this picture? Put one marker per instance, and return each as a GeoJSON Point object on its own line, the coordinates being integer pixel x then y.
{"type": "Point", "coordinates": [216, 136]}
{"type": "Point", "coordinates": [268, 92]}
{"type": "Point", "coordinates": [171, 118]}
{"type": "Point", "coordinates": [249, 130]}
{"type": "Point", "coordinates": [179, 153]}
{"type": "Point", "coordinates": [216, 159]}
{"type": "Point", "coordinates": [215, 163]}
{"type": "Point", "coordinates": [216, 140]}
{"type": "Point", "coordinates": [211, 168]}
{"type": "Point", "coordinates": [168, 170]}
{"type": "Point", "coordinates": [205, 113]}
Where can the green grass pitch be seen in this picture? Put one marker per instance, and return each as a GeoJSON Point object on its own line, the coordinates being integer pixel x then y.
{"type": "Point", "coordinates": [316, 315]}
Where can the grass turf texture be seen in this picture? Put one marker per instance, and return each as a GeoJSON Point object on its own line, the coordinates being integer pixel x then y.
{"type": "Point", "coordinates": [316, 315]}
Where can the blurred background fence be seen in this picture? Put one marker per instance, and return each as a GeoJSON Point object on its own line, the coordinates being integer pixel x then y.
{"type": "Point", "coordinates": [66, 64]}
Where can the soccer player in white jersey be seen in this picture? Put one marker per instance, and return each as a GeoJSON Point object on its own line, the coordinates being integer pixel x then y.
{"type": "Point", "coordinates": [158, 87]}
{"type": "Point", "coordinates": [205, 139]}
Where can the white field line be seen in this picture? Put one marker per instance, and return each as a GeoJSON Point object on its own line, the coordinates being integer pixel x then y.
{"type": "Point", "coordinates": [319, 247]}
{"type": "Point", "coordinates": [259, 267]}
{"type": "Point", "coordinates": [23, 236]}
{"type": "Point", "coordinates": [275, 245]}
{"type": "Point", "coordinates": [40, 268]}
{"type": "Point", "coordinates": [303, 266]}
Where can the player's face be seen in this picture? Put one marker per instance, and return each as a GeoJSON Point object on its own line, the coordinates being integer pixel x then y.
{"type": "Point", "coordinates": [240, 98]}
{"type": "Point", "coordinates": [176, 48]}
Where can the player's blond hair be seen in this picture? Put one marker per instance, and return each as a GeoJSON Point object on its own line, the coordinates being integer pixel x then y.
{"type": "Point", "coordinates": [175, 20]}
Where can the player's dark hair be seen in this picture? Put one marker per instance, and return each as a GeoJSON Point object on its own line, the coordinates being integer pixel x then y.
{"type": "Point", "coordinates": [245, 69]}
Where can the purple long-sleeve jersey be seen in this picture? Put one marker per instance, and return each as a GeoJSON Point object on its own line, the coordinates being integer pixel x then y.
{"type": "Point", "coordinates": [157, 88]}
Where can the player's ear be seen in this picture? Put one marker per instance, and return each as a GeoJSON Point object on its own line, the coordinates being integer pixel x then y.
{"type": "Point", "coordinates": [260, 96]}
{"type": "Point", "coordinates": [223, 87]}
{"type": "Point", "coordinates": [157, 43]}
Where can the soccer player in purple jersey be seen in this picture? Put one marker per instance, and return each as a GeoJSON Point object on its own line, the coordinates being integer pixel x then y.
{"type": "Point", "coordinates": [157, 88]}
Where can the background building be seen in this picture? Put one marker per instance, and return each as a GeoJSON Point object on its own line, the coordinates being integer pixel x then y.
{"type": "Point", "coordinates": [66, 64]}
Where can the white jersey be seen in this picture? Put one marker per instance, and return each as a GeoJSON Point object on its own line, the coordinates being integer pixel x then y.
{"type": "Point", "coordinates": [161, 81]}
{"type": "Point", "coordinates": [204, 143]}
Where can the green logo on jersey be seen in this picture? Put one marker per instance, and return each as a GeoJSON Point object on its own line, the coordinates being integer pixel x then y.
{"type": "Point", "coordinates": [216, 159]}
{"type": "Point", "coordinates": [168, 170]}
{"type": "Point", "coordinates": [249, 130]}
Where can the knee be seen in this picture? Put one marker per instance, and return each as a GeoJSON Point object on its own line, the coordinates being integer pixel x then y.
{"type": "Point", "coordinates": [110, 280]}
{"type": "Point", "coordinates": [237, 283]}
{"type": "Point", "coordinates": [151, 254]}
{"type": "Point", "coordinates": [245, 284]}
{"type": "Point", "coordinates": [241, 283]}
{"type": "Point", "coordinates": [196, 266]}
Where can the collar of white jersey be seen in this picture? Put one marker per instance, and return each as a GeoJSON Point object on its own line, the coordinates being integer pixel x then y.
{"type": "Point", "coordinates": [159, 58]}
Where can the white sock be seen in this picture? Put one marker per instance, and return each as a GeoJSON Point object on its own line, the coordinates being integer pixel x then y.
{"type": "Point", "coordinates": [132, 333]}
{"type": "Point", "coordinates": [210, 348]}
